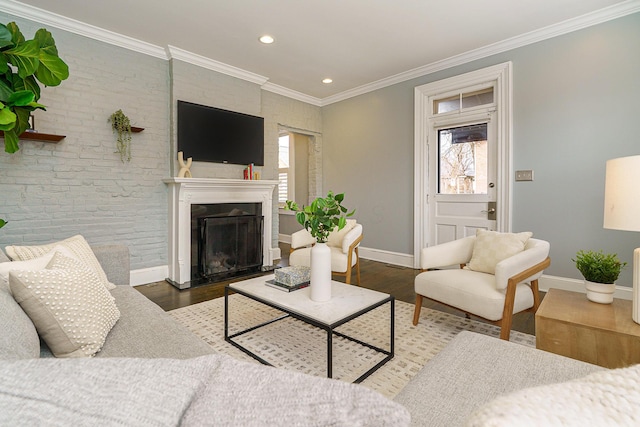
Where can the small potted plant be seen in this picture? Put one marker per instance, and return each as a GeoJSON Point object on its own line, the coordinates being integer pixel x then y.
{"type": "Point", "coordinates": [600, 271]}
{"type": "Point", "coordinates": [320, 218]}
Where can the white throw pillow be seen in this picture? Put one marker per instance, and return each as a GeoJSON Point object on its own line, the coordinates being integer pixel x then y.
{"type": "Point", "coordinates": [77, 245]}
{"type": "Point", "coordinates": [336, 237]}
{"type": "Point", "coordinates": [69, 306]}
{"type": "Point", "coordinates": [491, 247]}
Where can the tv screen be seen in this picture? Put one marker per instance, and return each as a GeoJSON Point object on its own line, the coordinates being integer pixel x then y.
{"type": "Point", "coordinates": [209, 134]}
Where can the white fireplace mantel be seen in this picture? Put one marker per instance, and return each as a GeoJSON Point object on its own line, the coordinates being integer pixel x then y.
{"type": "Point", "coordinates": [183, 192]}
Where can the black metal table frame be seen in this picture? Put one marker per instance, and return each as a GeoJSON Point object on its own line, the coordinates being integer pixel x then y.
{"type": "Point", "coordinates": [330, 329]}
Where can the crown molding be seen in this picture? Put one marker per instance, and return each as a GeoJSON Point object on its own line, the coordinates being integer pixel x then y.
{"type": "Point", "coordinates": [574, 24]}
{"type": "Point", "coordinates": [170, 52]}
{"type": "Point", "coordinates": [210, 64]}
{"type": "Point", "coordinates": [289, 93]}
{"type": "Point", "coordinates": [83, 29]}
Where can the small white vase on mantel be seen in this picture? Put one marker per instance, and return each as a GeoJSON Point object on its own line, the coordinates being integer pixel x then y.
{"type": "Point", "coordinates": [320, 272]}
{"type": "Point", "coordinates": [600, 292]}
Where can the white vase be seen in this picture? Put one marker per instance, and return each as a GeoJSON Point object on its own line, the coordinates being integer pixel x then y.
{"type": "Point", "coordinates": [600, 292]}
{"type": "Point", "coordinates": [320, 272]}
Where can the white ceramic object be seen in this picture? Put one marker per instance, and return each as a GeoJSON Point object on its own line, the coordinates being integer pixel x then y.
{"type": "Point", "coordinates": [600, 292]}
{"type": "Point", "coordinates": [320, 272]}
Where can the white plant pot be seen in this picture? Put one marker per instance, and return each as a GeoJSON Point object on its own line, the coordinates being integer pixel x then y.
{"type": "Point", "coordinates": [600, 292]}
{"type": "Point", "coordinates": [320, 272]}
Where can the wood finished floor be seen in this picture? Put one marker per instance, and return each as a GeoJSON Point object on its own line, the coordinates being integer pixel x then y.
{"type": "Point", "coordinates": [391, 279]}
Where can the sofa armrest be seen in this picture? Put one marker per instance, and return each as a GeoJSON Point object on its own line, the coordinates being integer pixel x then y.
{"type": "Point", "coordinates": [114, 260]}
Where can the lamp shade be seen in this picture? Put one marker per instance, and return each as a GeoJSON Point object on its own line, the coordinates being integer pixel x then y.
{"type": "Point", "coordinates": [622, 194]}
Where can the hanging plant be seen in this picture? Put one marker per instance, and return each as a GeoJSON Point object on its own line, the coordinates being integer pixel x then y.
{"type": "Point", "coordinates": [122, 127]}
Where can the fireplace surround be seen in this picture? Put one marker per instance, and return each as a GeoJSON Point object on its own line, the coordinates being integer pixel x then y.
{"type": "Point", "coordinates": [184, 192]}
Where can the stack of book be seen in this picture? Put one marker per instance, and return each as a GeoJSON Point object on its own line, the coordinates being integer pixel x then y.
{"type": "Point", "coordinates": [290, 278]}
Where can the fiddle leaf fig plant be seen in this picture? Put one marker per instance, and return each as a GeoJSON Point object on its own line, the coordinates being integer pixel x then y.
{"type": "Point", "coordinates": [322, 215]}
{"type": "Point", "coordinates": [24, 65]}
{"type": "Point", "coordinates": [598, 267]}
{"type": "Point", "coordinates": [2, 222]}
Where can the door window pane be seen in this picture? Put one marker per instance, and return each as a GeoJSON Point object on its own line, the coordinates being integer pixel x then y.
{"type": "Point", "coordinates": [479, 97]}
{"type": "Point", "coordinates": [463, 154]}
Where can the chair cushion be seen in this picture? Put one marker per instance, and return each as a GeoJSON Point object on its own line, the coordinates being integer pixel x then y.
{"type": "Point", "coordinates": [336, 237]}
{"type": "Point", "coordinates": [470, 291]}
{"type": "Point", "coordinates": [491, 247]}
{"type": "Point", "coordinates": [302, 256]}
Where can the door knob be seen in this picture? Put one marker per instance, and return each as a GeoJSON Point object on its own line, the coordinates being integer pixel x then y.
{"type": "Point", "coordinates": [490, 211]}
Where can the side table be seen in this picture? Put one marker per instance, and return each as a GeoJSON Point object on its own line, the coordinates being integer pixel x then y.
{"type": "Point", "coordinates": [567, 323]}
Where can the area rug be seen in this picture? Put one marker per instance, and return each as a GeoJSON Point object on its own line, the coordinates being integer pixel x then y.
{"type": "Point", "coordinates": [294, 345]}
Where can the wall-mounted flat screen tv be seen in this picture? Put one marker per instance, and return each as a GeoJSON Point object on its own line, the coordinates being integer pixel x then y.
{"type": "Point", "coordinates": [209, 134]}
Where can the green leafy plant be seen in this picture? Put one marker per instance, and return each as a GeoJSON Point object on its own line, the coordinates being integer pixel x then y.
{"type": "Point", "coordinates": [598, 267]}
{"type": "Point", "coordinates": [322, 215]}
{"type": "Point", "coordinates": [2, 222]}
{"type": "Point", "coordinates": [24, 63]}
{"type": "Point", "coordinates": [122, 127]}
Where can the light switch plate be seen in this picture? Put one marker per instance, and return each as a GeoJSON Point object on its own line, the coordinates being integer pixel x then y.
{"type": "Point", "coordinates": [526, 175]}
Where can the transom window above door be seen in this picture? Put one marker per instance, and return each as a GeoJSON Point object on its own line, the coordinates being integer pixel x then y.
{"type": "Point", "coordinates": [462, 101]}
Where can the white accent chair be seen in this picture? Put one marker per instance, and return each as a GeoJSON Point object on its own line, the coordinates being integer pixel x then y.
{"type": "Point", "coordinates": [344, 249]}
{"type": "Point", "coordinates": [494, 297]}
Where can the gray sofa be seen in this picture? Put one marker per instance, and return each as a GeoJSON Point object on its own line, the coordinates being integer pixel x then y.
{"type": "Point", "coordinates": [153, 371]}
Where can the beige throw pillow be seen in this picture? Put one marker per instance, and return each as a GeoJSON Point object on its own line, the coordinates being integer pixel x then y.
{"type": "Point", "coordinates": [69, 306]}
{"type": "Point", "coordinates": [77, 245]}
{"type": "Point", "coordinates": [491, 247]}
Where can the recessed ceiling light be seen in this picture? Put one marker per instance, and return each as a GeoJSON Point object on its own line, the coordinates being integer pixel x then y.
{"type": "Point", "coordinates": [327, 81]}
{"type": "Point", "coordinates": [266, 39]}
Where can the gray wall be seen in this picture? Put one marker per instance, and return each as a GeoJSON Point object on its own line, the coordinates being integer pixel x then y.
{"type": "Point", "coordinates": [575, 106]}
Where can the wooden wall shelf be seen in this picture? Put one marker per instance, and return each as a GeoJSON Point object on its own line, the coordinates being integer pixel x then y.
{"type": "Point", "coordinates": [39, 136]}
{"type": "Point", "coordinates": [135, 129]}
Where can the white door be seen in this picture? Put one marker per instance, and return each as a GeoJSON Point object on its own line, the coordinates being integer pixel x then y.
{"type": "Point", "coordinates": [461, 186]}
{"type": "Point", "coordinates": [462, 177]}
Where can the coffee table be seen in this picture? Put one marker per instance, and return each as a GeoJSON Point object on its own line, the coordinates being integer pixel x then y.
{"type": "Point", "coordinates": [347, 303]}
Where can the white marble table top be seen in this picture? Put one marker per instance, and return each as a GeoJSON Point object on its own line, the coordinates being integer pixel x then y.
{"type": "Point", "coordinates": [345, 299]}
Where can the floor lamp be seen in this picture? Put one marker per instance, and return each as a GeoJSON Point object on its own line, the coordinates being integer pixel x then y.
{"type": "Point", "coordinates": [622, 210]}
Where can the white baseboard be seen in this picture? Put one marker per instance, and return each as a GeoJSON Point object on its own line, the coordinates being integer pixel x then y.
{"type": "Point", "coordinates": [547, 282]}
{"type": "Point", "coordinates": [148, 275]}
{"type": "Point", "coordinates": [387, 257]}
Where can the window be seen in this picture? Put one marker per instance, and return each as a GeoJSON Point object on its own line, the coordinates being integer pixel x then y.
{"type": "Point", "coordinates": [463, 160]}
{"type": "Point", "coordinates": [285, 169]}
{"type": "Point", "coordinates": [466, 100]}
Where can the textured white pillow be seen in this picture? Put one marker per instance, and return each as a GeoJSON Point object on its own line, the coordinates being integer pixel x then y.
{"type": "Point", "coordinates": [491, 247]}
{"type": "Point", "coordinates": [336, 237]}
{"type": "Point", "coordinates": [77, 245]}
{"type": "Point", "coordinates": [39, 263]}
{"type": "Point", "coordinates": [69, 306]}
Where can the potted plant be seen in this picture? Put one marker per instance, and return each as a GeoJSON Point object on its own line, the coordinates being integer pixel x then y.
{"type": "Point", "coordinates": [320, 218]}
{"type": "Point", "coordinates": [600, 271]}
{"type": "Point", "coordinates": [25, 64]}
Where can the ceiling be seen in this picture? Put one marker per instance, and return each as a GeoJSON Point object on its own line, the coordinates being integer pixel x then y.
{"type": "Point", "coordinates": [355, 42]}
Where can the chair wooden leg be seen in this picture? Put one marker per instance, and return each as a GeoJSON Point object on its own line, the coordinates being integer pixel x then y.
{"type": "Point", "coordinates": [536, 295]}
{"type": "Point", "coordinates": [347, 276]}
{"type": "Point", "coordinates": [357, 266]}
{"type": "Point", "coordinates": [416, 312]}
{"type": "Point", "coordinates": [507, 313]}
